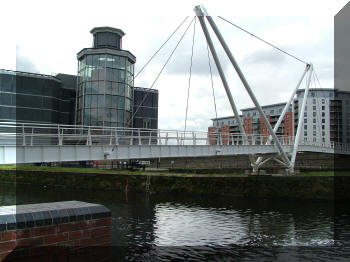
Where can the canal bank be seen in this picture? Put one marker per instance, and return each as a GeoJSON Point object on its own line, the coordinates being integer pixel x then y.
{"type": "Point", "coordinates": [313, 187]}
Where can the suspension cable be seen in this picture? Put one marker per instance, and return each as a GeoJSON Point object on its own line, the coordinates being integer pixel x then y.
{"type": "Point", "coordinates": [317, 79]}
{"type": "Point", "coordinates": [279, 49]}
{"type": "Point", "coordinates": [160, 48]}
{"type": "Point", "coordinates": [189, 79]}
{"type": "Point", "coordinates": [144, 98]}
{"type": "Point", "coordinates": [212, 83]}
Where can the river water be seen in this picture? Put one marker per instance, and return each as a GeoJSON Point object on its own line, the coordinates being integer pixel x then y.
{"type": "Point", "coordinates": [167, 227]}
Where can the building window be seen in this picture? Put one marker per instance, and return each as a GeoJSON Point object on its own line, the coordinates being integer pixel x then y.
{"type": "Point", "coordinates": [323, 133]}
{"type": "Point", "coordinates": [305, 120]}
{"type": "Point", "coordinates": [323, 101]}
{"type": "Point", "coordinates": [314, 127]}
{"type": "Point", "coordinates": [323, 121]}
{"type": "Point", "coordinates": [305, 114]}
{"type": "Point", "coordinates": [323, 114]}
{"type": "Point", "coordinates": [322, 107]}
{"type": "Point", "coordinates": [314, 121]}
{"type": "Point", "coordinates": [305, 133]}
{"type": "Point", "coordinates": [314, 108]}
{"type": "Point", "coordinates": [323, 139]}
{"type": "Point", "coordinates": [313, 100]}
{"type": "Point", "coordinates": [314, 139]}
{"type": "Point", "coordinates": [314, 133]}
{"type": "Point", "coordinates": [314, 114]}
{"type": "Point", "coordinates": [305, 139]}
{"type": "Point", "coordinates": [305, 127]}
{"type": "Point", "coordinates": [322, 127]}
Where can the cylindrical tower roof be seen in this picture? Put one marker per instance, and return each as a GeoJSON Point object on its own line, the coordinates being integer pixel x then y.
{"type": "Point", "coordinates": [107, 37]}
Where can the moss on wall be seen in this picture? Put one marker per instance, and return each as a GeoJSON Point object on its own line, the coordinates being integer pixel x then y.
{"type": "Point", "coordinates": [293, 187]}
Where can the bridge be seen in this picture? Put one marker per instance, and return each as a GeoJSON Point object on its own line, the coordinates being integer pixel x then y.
{"type": "Point", "coordinates": [35, 143]}
{"type": "Point", "coordinates": [31, 143]}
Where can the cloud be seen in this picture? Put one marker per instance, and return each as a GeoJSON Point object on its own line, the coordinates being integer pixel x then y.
{"type": "Point", "coordinates": [24, 63]}
{"type": "Point", "coordinates": [200, 64]}
{"type": "Point", "coordinates": [268, 56]}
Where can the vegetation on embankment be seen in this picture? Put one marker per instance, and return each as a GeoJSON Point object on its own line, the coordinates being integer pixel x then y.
{"type": "Point", "coordinates": [154, 171]}
{"type": "Point", "coordinates": [308, 185]}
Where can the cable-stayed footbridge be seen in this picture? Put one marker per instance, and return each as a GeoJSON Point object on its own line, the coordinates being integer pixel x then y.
{"type": "Point", "coordinates": [31, 143]}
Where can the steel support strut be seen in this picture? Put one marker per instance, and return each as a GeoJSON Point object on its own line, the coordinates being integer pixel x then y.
{"type": "Point", "coordinates": [300, 122]}
{"type": "Point", "coordinates": [199, 13]}
{"type": "Point", "coordinates": [260, 161]}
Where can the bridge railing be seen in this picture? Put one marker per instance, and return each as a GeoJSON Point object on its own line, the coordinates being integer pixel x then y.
{"type": "Point", "coordinates": [33, 134]}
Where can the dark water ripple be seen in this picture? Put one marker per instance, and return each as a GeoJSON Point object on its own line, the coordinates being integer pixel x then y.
{"type": "Point", "coordinates": [210, 228]}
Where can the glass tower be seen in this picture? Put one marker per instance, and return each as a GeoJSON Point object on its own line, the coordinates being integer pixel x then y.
{"type": "Point", "coordinates": [105, 81]}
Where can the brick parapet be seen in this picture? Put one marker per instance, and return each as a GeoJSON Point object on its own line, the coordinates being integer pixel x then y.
{"type": "Point", "coordinates": [74, 225]}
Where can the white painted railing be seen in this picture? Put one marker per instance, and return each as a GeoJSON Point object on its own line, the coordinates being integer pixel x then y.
{"type": "Point", "coordinates": [30, 134]}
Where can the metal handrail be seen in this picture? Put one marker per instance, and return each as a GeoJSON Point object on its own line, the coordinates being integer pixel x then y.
{"type": "Point", "coordinates": [31, 134]}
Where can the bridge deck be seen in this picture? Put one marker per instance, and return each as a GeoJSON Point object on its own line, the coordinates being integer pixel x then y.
{"type": "Point", "coordinates": [28, 143]}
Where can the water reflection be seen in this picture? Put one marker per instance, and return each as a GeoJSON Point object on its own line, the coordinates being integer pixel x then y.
{"type": "Point", "coordinates": [192, 227]}
{"type": "Point", "coordinates": [178, 225]}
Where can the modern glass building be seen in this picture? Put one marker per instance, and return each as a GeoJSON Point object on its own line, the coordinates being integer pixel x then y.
{"type": "Point", "coordinates": [28, 97]}
{"type": "Point", "coordinates": [145, 108]}
{"type": "Point", "coordinates": [105, 81]}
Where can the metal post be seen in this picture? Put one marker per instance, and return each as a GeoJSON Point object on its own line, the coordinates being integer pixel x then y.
{"type": "Point", "coordinates": [24, 136]}
{"type": "Point", "coordinates": [31, 138]}
{"type": "Point", "coordinates": [159, 138]}
{"type": "Point", "coordinates": [62, 136]}
{"type": "Point", "coordinates": [244, 81]}
{"type": "Point", "coordinates": [59, 135]}
{"type": "Point", "coordinates": [131, 137]}
{"type": "Point", "coordinates": [110, 138]}
{"type": "Point", "coordinates": [200, 15]}
{"type": "Point", "coordinates": [116, 138]}
{"type": "Point", "coordinates": [300, 123]}
{"type": "Point", "coordinates": [139, 136]}
{"type": "Point", "coordinates": [89, 140]}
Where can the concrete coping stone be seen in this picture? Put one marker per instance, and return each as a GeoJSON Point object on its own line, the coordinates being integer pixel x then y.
{"type": "Point", "coordinates": [44, 214]}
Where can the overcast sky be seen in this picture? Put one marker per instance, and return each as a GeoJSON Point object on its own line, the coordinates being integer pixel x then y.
{"type": "Point", "coordinates": [45, 36]}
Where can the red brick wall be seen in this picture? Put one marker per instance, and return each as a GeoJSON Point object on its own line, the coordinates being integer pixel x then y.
{"type": "Point", "coordinates": [211, 135]}
{"type": "Point", "coordinates": [87, 233]}
{"type": "Point", "coordinates": [288, 124]}
{"type": "Point", "coordinates": [225, 134]}
{"type": "Point", "coordinates": [263, 128]}
{"type": "Point", "coordinates": [248, 125]}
